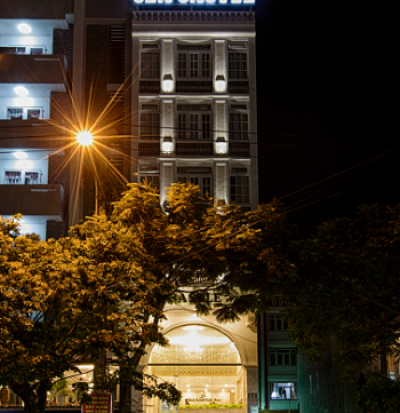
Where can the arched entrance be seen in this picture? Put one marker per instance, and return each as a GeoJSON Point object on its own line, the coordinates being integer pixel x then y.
{"type": "Point", "coordinates": [203, 363]}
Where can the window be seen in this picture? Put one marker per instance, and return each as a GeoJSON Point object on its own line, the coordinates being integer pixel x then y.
{"type": "Point", "coordinates": [154, 180]}
{"type": "Point", "coordinates": [150, 125]}
{"type": "Point", "coordinates": [24, 113]}
{"type": "Point", "coordinates": [194, 62]}
{"type": "Point", "coordinates": [240, 192]}
{"type": "Point", "coordinates": [200, 176]}
{"type": "Point", "coordinates": [203, 182]}
{"type": "Point", "coordinates": [283, 357]}
{"type": "Point", "coordinates": [33, 113]}
{"type": "Point", "coordinates": [283, 391]}
{"type": "Point", "coordinates": [22, 177]}
{"type": "Point", "coordinates": [238, 126]}
{"type": "Point", "coordinates": [36, 50]}
{"type": "Point", "coordinates": [276, 323]}
{"type": "Point", "coordinates": [15, 114]}
{"type": "Point", "coordinates": [194, 122]}
{"type": "Point", "coordinates": [150, 65]}
{"type": "Point", "coordinates": [238, 66]}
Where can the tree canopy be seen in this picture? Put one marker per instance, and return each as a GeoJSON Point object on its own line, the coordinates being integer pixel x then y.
{"type": "Point", "coordinates": [67, 301]}
{"type": "Point", "coordinates": [347, 286]}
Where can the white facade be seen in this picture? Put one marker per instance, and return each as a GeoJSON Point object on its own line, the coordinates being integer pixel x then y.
{"type": "Point", "coordinates": [194, 101]}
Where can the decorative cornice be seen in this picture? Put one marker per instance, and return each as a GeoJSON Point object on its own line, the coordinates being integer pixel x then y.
{"type": "Point", "coordinates": [198, 17]}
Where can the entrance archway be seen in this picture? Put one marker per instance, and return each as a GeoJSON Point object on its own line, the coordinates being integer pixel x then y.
{"type": "Point", "coordinates": [204, 364]}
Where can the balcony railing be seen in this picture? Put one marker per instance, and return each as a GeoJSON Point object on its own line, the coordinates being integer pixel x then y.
{"type": "Point", "coordinates": [238, 88]}
{"type": "Point", "coordinates": [149, 87]}
{"type": "Point", "coordinates": [239, 149]}
{"type": "Point", "coordinates": [194, 148]}
{"type": "Point", "coordinates": [194, 87]}
{"type": "Point", "coordinates": [36, 200]}
{"type": "Point", "coordinates": [149, 149]}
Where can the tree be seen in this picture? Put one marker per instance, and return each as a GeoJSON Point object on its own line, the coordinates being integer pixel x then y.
{"type": "Point", "coordinates": [106, 288]}
{"type": "Point", "coordinates": [347, 286]}
{"type": "Point", "coordinates": [58, 309]}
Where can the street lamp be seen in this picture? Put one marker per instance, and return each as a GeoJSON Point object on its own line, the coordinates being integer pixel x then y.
{"type": "Point", "coordinates": [85, 138]}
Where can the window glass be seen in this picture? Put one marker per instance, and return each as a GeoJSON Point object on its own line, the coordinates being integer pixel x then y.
{"type": "Point", "coordinates": [238, 126]}
{"type": "Point", "coordinates": [15, 113]}
{"type": "Point", "coordinates": [283, 357]}
{"type": "Point", "coordinates": [194, 125]}
{"type": "Point", "coordinates": [13, 177]}
{"type": "Point", "coordinates": [237, 65]}
{"type": "Point", "coordinates": [150, 126]}
{"type": "Point", "coordinates": [276, 323]}
{"type": "Point", "coordinates": [150, 66]}
{"type": "Point", "coordinates": [33, 113]}
{"type": "Point", "coordinates": [194, 62]}
{"type": "Point", "coordinates": [283, 391]}
{"type": "Point", "coordinates": [240, 192]}
{"type": "Point", "coordinates": [31, 178]}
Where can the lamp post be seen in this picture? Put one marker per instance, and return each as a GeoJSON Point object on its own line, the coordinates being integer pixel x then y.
{"type": "Point", "coordinates": [85, 138]}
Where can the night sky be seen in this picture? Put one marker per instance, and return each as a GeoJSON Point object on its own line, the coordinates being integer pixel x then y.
{"type": "Point", "coordinates": [325, 106]}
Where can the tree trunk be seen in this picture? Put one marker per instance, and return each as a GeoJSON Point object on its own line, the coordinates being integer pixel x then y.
{"type": "Point", "coordinates": [34, 400]}
{"type": "Point", "coordinates": [384, 366]}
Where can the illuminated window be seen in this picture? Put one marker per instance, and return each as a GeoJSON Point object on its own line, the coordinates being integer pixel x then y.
{"type": "Point", "coordinates": [283, 391]}
{"type": "Point", "coordinates": [25, 113]}
{"type": "Point", "coordinates": [22, 177]}
{"type": "Point", "coordinates": [237, 65]}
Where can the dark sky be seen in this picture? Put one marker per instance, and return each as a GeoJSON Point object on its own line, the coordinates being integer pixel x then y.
{"type": "Point", "coordinates": [325, 105]}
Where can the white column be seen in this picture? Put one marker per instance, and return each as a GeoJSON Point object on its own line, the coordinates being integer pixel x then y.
{"type": "Point", "coordinates": [167, 122]}
{"type": "Point", "coordinates": [220, 80]}
{"type": "Point", "coordinates": [221, 181]}
{"type": "Point", "coordinates": [167, 172]}
{"type": "Point", "coordinates": [167, 66]}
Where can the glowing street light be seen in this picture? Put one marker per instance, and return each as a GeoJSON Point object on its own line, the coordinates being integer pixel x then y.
{"type": "Point", "coordinates": [84, 138]}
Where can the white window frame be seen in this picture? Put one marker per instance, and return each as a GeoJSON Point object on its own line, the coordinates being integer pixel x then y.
{"type": "Point", "coordinates": [276, 323]}
{"type": "Point", "coordinates": [23, 173]}
{"type": "Point", "coordinates": [189, 75]}
{"type": "Point", "coordinates": [25, 110]}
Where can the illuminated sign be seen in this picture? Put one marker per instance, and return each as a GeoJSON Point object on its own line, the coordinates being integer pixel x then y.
{"type": "Point", "coordinates": [195, 2]}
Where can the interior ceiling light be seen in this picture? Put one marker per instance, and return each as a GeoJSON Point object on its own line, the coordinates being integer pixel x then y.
{"type": "Point", "coordinates": [21, 91]}
{"type": "Point", "coordinates": [24, 28]}
{"type": "Point", "coordinates": [20, 155]}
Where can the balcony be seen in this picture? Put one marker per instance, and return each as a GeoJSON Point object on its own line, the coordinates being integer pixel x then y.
{"type": "Point", "coordinates": [33, 200]}
{"type": "Point", "coordinates": [194, 87]}
{"type": "Point", "coordinates": [194, 149]}
{"type": "Point", "coordinates": [32, 68]}
{"type": "Point", "coordinates": [238, 88]}
{"type": "Point", "coordinates": [239, 149]}
{"type": "Point", "coordinates": [31, 134]}
{"type": "Point", "coordinates": [149, 149]}
{"type": "Point", "coordinates": [149, 87]}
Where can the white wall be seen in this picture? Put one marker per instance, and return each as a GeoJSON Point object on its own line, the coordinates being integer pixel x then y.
{"type": "Point", "coordinates": [25, 102]}
{"type": "Point", "coordinates": [28, 42]}
{"type": "Point", "coordinates": [36, 161]}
